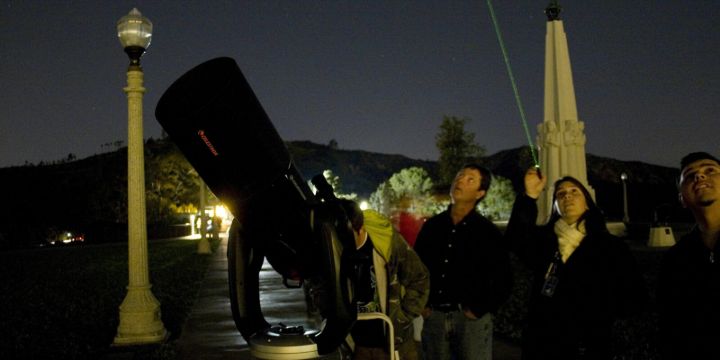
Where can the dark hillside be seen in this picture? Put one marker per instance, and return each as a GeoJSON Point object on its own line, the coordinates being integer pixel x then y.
{"type": "Point", "coordinates": [64, 197]}
{"type": "Point", "coordinates": [360, 171]}
{"type": "Point", "coordinates": [90, 195]}
{"type": "Point", "coordinates": [649, 187]}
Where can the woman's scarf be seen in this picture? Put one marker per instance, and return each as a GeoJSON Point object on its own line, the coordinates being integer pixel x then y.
{"type": "Point", "coordinates": [569, 237]}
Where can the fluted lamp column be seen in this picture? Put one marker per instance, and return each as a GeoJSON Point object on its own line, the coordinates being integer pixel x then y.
{"type": "Point", "coordinates": [140, 321]}
{"type": "Point", "coordinates": [626, 217]}
{"type": "Point", "coordinates": [203, 244]}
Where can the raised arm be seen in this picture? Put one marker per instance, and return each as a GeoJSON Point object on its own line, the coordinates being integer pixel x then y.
{"type": "Point", "coordinates": [522, 232]}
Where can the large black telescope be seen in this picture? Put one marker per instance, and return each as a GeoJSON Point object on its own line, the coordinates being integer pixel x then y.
{"type": "Point", "coordinates": [213, 116]}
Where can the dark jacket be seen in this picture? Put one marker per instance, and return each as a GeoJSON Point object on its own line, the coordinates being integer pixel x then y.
{"type": "Point", "coordinates": [477, 271]}
{"type": "Point", "coordinates": [598, 283]}
{"type": "Point", "coordinates": [689, 300]}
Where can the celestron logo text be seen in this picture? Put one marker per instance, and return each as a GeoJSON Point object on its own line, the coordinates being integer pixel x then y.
{"type": "Point", "coordinates": [207, 142]}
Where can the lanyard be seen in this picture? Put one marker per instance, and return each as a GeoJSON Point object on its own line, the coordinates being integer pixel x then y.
{"type": "Point", "coordinates": [551, 278]}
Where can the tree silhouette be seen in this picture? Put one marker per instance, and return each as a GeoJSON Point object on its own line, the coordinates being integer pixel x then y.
{"type": "Point", "coordinates": [457, 147]}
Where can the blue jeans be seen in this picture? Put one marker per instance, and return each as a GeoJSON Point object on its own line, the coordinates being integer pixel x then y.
{"type": "Point", "coordinates": [453, 336]}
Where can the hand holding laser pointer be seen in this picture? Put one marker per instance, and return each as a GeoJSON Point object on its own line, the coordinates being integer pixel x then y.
{"type": "Point", "coordinates": [534, 182]}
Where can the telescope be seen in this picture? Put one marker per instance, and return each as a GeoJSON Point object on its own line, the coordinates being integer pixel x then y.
{"type": "Point", "coordinates": [217, 122]}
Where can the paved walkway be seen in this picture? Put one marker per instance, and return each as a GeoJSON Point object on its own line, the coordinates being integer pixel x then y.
{"type": "Point", "coordinates": [210, 333]}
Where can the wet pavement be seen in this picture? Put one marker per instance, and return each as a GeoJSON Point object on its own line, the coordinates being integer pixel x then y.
{"type": "Point", "coordinates": [210, 332]}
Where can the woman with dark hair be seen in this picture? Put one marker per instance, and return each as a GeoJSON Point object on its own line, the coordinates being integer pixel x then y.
{"type": "Point", "coordinates": [584, 277]}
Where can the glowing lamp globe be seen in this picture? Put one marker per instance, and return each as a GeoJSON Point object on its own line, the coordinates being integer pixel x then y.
{"type": "Point", "coordinates": [135, 32]}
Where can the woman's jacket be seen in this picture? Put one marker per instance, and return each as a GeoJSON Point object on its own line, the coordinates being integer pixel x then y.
{"type": "Point", "coordinates": [598, 283]}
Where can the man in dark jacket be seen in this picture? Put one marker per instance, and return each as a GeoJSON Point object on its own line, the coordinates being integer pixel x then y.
{"type": "Point", "coordinates": [689, 289]}
{"type": "Point", "coordinates": [470, 274]}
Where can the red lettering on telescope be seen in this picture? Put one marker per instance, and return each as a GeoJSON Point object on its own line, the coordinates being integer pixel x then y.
{"type": "Point", "coordinates": [207, 142]}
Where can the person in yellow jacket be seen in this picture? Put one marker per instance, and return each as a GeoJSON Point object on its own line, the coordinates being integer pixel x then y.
{"type": "Point", "coordinates": [386, 276]}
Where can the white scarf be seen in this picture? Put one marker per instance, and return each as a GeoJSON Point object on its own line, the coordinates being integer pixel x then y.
{"type": "Point", "coordinates": [569, 237]}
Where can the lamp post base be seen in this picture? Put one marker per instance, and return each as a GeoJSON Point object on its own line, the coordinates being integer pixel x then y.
{"type": "Point", "coordinates": [204, 246]}
{"type": "Point", "coordinates": [140, 321]}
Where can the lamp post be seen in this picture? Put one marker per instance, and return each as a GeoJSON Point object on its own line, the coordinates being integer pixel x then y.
{"type": "Point", "coordinates": [203, 244]}
{"type": "Point", "coordinates": [140, 311]}
{"type": "Point", "coordinates": [626, 218]}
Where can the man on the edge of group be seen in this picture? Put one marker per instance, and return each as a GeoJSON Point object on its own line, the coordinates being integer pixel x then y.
{"type": "Point", "coordinates": [689, 282]}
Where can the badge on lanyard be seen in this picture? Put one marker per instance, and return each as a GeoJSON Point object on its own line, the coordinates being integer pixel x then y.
{"type": "Point", "coordinates": [551, 278]}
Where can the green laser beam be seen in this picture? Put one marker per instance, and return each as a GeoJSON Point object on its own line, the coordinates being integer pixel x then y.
{"type": "Point", "coordinates": [512, 81]}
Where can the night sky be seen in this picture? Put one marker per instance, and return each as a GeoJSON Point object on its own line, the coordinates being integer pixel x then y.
{"type": "Point", "coordinates": [373, 75]}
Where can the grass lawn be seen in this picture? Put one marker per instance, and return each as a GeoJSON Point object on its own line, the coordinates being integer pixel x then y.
{"type": "Point", "coordinates": [62, 303]}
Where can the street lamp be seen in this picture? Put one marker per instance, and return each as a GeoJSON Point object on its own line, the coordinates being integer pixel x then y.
{"type": "Point", "coordinates": [626, 218]}
{"type": "Point", "coordinates": [140, 311]}
{"type": "Point", "coordinates": [204, 244]}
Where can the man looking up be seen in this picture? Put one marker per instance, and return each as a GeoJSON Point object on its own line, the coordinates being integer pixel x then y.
{"type": "Point", "coordinates": [689, 283]}
{"type": "Point", "coordinates": [470, 273]}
